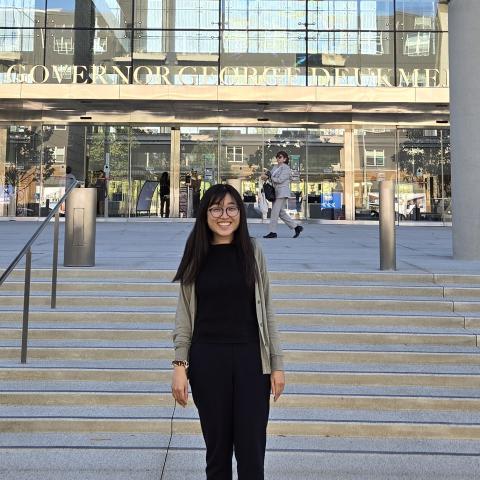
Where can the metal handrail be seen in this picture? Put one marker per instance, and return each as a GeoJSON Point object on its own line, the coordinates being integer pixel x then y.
{"type": "Point", "coordinates": [27, 252]}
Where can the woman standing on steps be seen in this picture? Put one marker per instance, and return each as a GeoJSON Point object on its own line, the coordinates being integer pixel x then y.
{"type": "Point", "coordinates": [226, 340]}
{"type": "Point", "coordinates": [280, 176]}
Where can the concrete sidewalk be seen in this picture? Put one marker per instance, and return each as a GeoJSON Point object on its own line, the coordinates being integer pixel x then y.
{"type": "Point", "coordinates": [321, 247]}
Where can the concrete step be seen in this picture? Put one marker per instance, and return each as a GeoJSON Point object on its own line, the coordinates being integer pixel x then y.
{"type": "Point", "coordinates": [157, 376]}
{"type": "Point", "coordinates": [290, 337]}
{"type": "Point", "coordinates": [303, 290]}
{"type": "Point", "coordinates": [310, 428]}
{"type": "Point", "coordinates": [287, 305]}
{"type": "Point", "coordinates": [313, 401]}
{"type": "Point", "coordinates": [280, 276]}
{"type": "Point", "coordinates": [291, 356]}
{"type": "Point", "coordinates": [65, 316]}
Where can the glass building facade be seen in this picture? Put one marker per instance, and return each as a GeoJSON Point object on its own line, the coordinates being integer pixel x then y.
{"type": "Point", "coordinates": [130, 92]}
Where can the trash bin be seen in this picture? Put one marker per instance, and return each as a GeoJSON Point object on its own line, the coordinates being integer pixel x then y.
{"type": "Point", "coordinates": [80, 228]}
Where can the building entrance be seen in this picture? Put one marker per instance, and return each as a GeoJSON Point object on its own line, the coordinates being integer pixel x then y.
{"type": "Point", "coordinates": [152, 171]}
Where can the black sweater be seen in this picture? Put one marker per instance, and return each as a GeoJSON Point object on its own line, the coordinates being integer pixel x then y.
{"type": "Point", "coordinates": [225, 304]}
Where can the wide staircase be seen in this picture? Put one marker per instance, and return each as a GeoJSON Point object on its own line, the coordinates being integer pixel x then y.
{"type": "Point", "coordinates": [376, 362]}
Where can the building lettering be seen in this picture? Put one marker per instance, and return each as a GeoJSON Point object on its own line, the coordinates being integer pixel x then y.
{"type": "Point", "coordinates": [229, 75]}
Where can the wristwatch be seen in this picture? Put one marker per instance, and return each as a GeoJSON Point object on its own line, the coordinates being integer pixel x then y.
{"type": "Point", "coordinates": [180, 363]}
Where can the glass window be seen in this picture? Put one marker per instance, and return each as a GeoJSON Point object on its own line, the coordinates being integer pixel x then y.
{"type": "Point", "coordinates": [262, 58]}
{"type": "Point", "coordinates": [150, 171]}
{"type": "Point", "coordinates": [421, 15]}
{"type": "Point", "coordinates": [108, 166]}
{"type": "Point", "coordinates": [374, 161]}
{"type": "Point", "coordinates": [198, 166]}
{"type": "Point", "coordinates": [62, 146]}
{"type": "Point", "coordinates": [325, 189]}
{"type": "Point", "coordinates": [350, 14]}
{"type": "Point", "coordinates": [20, 51]}
{"type": "Point", "coordinates": [264, 14]}
{"type": "Point", "coordinates": [22, 172]}
{"type": "Point", "coordinates": [422, 59]}
{"type": "Point", "coordinates": [294, 142]}
{"type": "Point", "coordinates": [177, 58]}
{"type": "Point", "coordinates": [242, 173]}
{"type": "Point", "coordinates": [424, 176]}
{"type": "Point", "coordinates": [22, 13]}
{"type": "Point", "coordinates": [179, 14]}
{"type": "Point", "coordinates": [101, 56]}
{"type": "Point", "coordinates": [351, 58]}
{"type": "Point", "coordinates": [89, 13]}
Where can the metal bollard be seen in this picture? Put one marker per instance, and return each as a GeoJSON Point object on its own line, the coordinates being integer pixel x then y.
{"type": "Point", "coordinates": [80, 228]}
{"type": "Point", "coordinates": [387, 226]}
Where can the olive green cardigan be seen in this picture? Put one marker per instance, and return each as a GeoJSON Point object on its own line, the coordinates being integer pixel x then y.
{"type": "Point", "coordinates": [270, 349]}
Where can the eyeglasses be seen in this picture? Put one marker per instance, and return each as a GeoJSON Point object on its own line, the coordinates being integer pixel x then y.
{"type": "Point", "coordinates": [217, 212]}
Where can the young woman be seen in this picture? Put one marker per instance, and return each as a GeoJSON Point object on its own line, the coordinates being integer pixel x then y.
{"type": "Point", "coordinates": [225, 337]}
{"type": "Point", "coordinates": [280, 176]}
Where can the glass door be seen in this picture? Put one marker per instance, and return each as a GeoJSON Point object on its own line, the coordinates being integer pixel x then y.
{"type": "Point", "coordinates": [294, 142]}
{"type": "Point", "coordinates": [326, 174]}
{"type": "Point", "coordinates": [21, 170]}
{"type": "Point", "coordinates": [108, 168]}
{"type": "Point", "coordinates": [150, 171]}
{"type": "Point", "coordinates": [241, 162]}
{"type": "Point", "coordinates": [198, 166]}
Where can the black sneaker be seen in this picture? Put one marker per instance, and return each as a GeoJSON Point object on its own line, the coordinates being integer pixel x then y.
{"type": "Point", "coordinates": [270, 235]}
{"type": "Point", "coordinates": [298, 231]}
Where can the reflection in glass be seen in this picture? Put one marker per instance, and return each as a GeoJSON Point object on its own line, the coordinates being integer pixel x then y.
{"type": "Point", "coordinates": [422, 59]}
{"type": "Point", "coordinates": [21, 171]}
{"type": "Point", "coordinates": [177, 58]}
{"type": "Point", "coordinates": [262, 58]}
{"type": "Point", "coordinates": [351, 58]}
{"type": "Point", "coordinates": [188, 14]}
{"type": "Point", "coordinates": [20, 51]}
{"type": "Point", "coordinates": [241, 162]}
{"type": "Point", "coordinates": [22, 13]}
{"type": "Point", "coordinates": [326, 174]}
{"type": "Point", "coordinates": [89, 13]}
{"type": "Point", "coordinates": [350, 15]}
{"type": "Point", "coordinates": [264, 14]}
{"type": "Point", "coordinates": [421, 15]}
{"type": "Point", "coordinates": [374, 161]}
{"type": "Point", "coordinates": [63, 145]}
{"type": "Point", "coordinates": [150, 153]}
{"type": "Point", "coordinates": [108, 164]}
{"type": "Point", "coordinates": [102, 56]}
{"type": "Point", "coordinates": [424, 175]}
{"type": "Point", "coordinates": [198, 166]}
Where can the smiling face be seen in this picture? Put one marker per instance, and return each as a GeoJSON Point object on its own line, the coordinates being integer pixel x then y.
{"type": "Point", "coordinates": [280, 159]}
{"type": "Point", "coordinates": [223, 219]}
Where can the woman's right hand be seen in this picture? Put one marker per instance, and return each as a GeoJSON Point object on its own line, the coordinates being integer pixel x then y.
{"type": "Point", "coordinates": [180, 385]}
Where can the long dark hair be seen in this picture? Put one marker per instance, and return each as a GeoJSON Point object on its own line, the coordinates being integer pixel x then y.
{"type": "Point", "coordinates": [200, 238]}
{"type": "Point", "coordinates": [284, 154]}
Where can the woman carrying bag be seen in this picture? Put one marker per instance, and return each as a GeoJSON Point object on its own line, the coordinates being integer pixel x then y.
{"type": "Point", "coordinates": [226, 338]}
{"type": "Point", "coordinates": [280, 178]}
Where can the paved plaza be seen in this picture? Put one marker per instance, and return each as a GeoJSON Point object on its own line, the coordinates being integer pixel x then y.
{"type": "Point", "coordinates": [321, 247]}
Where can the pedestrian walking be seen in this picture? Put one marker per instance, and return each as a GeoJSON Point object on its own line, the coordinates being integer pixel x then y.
{"type": "Point", "coordinates": [225, 337]}
{"type": "Point", "coordinates": [280, 177]}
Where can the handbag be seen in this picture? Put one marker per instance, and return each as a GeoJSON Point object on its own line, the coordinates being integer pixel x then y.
{"type": "Point", "coordinates": [269, 191]}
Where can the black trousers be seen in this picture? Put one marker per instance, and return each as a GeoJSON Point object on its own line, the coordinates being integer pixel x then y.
{"type": "Point", "coordinates": [165, 206]}
{"type": "Point", "coordinates": [232, 396]}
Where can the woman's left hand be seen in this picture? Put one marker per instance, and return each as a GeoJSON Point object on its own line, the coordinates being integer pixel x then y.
{"type": "Point", "coordinates": [277, 379]}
